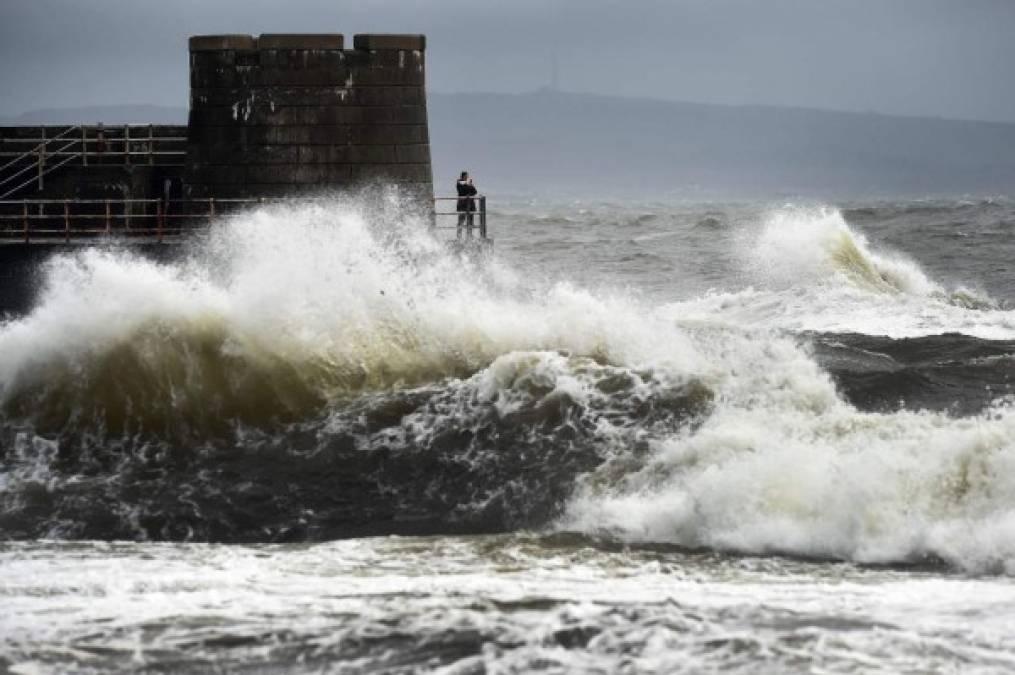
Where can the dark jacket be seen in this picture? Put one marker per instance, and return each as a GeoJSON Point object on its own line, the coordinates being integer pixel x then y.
{"type": "Point", "coordinates": [466, 190]}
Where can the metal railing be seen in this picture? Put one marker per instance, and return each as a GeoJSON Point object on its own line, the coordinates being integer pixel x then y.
{"type": "Point", "coordinates": [466, 217]}
{"type": "Point", "coordinates": [80, 220]}
{"type": "Point", "coordinates": [97, 145]}
{"type": "Point", "coordinates": [66, 220]}
{"type": "Point", "coordinates": [34, 161]}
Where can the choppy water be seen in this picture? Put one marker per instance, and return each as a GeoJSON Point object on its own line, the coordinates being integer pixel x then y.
{"type": "Point", "coordinates": [651, 437]}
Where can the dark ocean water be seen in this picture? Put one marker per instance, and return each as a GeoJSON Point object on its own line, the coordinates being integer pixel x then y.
{"type": "Point", "coordinates": [642, 437]}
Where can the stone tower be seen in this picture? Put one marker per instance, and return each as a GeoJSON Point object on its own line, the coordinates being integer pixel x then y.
{"type": "Point", "coordinates": [291, 115]}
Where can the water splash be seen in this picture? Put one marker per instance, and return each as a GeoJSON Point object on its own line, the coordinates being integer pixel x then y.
{"type": "Point", "coordinates": [783, 465]}
{"type": "Point", "coordinates": [256, 324]}
{"type": "Point", "coordinates": [807, 269]}
{"type": "Point", "coordinates": [269, 386]}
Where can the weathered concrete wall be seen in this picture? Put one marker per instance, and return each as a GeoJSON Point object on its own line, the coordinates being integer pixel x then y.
{"type": "Point", "coordinates": [282, 115]}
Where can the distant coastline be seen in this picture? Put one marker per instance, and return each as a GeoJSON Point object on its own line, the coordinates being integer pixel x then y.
{"type": "Point", "coordinates": [523, 143]}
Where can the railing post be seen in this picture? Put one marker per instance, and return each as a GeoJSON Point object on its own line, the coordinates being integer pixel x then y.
{"type": "Point", "coordinates": [42, 156]}
{"type": "Point", "coordinates": [126, 144]}
{"type": "Point", "coordinates": [108, 223]}
{"type": "Point", "coordinates": [158, 218]}
{"type": "Point", "coordinates": [24, 218]}
{"type": "Point", "coordinates": [84, 146]}
{"type": "Point", "coordinates": [211, 208]}
{"type": "Point", "coordinates": [151, 143]}
{"type": "Point", "coordinates": [482, 217]}
{"type": "Point", "coordinates": [66, 221]}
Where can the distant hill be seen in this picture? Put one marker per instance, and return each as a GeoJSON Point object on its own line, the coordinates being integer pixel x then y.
{"type": "Point", "coordinates": [609, 146]}
{"type": "Point", "coordinates": [107, 114]}
{"type": "Point", "coordinates": [579, 144]}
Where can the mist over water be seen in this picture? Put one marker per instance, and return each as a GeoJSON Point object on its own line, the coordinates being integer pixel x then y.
{"type": "Point", "coordinates": [624, 396]}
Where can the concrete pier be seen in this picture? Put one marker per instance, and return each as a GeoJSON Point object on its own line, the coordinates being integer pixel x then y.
{"type": "Point", "coordinates": [270, 116]}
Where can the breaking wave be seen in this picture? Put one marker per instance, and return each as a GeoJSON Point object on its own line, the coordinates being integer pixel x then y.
{"type": "Point", "coordinates": [350, 376]}
{"type": "Point", "coordinates": [331, 370]}
{"type": "Point", "coordinates": [819, 247]}
{"type": "Point", "coordinates": [784, 465]}
{"type": "Point", "coordinates": [257, 324]}
{"type": "Point", "coordinates": [810, 270]}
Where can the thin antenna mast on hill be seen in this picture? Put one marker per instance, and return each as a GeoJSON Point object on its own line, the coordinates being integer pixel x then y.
{"type": "Point", "coordinates": [553, 69]}
{"type": "Point", "coordinates": [554, 13]}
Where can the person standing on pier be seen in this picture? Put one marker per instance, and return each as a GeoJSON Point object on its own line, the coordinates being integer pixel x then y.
{"type": "Point", "coordinates": [466, 203]}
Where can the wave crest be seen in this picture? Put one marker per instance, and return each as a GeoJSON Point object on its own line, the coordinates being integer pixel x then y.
{"type": "Point", "coordinates": [791, 469]}
{"type": "Point", "coordinates": [254, 326]}
{"type": "Point", "coordinates": [351, 377]}
{"type": "Point", "coordinates": [818, 246]}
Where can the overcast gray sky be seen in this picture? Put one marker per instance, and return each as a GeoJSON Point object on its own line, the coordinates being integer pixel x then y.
{"type": "Point", "coordinates": [941, 58]}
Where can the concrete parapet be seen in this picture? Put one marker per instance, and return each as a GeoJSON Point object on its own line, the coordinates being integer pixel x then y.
{"type": "Point", "coordinates": [375, 41]}
{"type": "Point", "coordinates": [301, 41]}
{"type": "Point", "coordinates": [200, 43]}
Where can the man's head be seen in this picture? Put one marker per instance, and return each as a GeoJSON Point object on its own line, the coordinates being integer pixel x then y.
{"type": "Point", "coordinates": [464, 176]}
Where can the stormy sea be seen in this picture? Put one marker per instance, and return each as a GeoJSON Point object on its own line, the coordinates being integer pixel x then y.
{"type": "Point", "coordinates": [639, 437]}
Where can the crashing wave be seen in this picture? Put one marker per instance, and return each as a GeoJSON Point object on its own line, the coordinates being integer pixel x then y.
{"type": "Point", "coordinates": [818, 246]}
{"type": "Point", "coordinates": [807, 269]}
{"type": "Point", "coordinates": [255, 326]}
{"type": "Point", "coordinates": [351, 378]}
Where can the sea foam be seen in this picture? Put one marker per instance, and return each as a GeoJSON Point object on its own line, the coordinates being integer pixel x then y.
{"type": "Point", "coordinates": [293, 312]}
{"type": "Point", "coordinates": [807, 269]}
